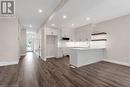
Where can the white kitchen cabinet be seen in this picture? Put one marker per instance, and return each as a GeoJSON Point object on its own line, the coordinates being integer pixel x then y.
{"type": "Point", "coordinates": [85, 56]}
{"type": "Point", "coordinates": [83, 33]}
{"type": "Point", "coordinates": [52, 40]}
{"type": "Point", "coordinates": [65, 34]}
{"type": "Point", "coordinates": [68, 34]}
{"type": "Point", "coordinates": [60, 53]}
{"type": "Point", "coordinates": [51, 31]}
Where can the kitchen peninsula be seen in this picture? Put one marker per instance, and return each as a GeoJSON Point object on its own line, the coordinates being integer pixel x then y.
{"type": "Point", "coordinates": [84, 56]}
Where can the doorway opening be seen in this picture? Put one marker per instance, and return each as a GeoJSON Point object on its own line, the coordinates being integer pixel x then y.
{"type": "Point", "coordinates": [29, 42]}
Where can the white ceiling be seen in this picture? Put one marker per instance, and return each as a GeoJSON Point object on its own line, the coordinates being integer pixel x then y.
{"type": "Point", "coordinates": [27, 11]}
{"type": "Point", "coordinates": [98, 10]}
{"type": "Point", "coordinates": [76, 11]}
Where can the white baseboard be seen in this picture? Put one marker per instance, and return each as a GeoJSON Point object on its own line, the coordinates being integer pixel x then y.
{"type": "Point", "coordinates": [50, 56]}
{"type": "Point", "coordinates": [22, 54]}
{"type": "Point", "coordinates": [117, 62]}
{"type": "Point", "coordinates": [36, 53]}
{"type": "Point", "coordinates": [6, 63]}
{"type": "Point", "coordinates": [44, 59]}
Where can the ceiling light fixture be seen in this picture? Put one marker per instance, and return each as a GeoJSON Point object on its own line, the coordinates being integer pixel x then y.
{"type": "Point", "coordinates": [72, 24]}
{"type": "Point", "coordinates": [40, 10]}
{"type": "Point", "coordinates": [64, 17]}
{"type": "Point", "coordinates": [88, 18]}
{"type": "Point", "coordinates": [52, 24]}
{"type": "Point", "coordinates": [30, 26]}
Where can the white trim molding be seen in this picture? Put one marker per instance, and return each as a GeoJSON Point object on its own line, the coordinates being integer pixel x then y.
{"type": "Point", "coordinates": [6, 63]}
{"type": "Point", "coordinates": [44, 59]}
{"type": "Point", "coordinates": [22, 54]}
{"type": "Point", "coordinates": [117, 62]}
{"type": "Point", "coordinates": [50, 57]}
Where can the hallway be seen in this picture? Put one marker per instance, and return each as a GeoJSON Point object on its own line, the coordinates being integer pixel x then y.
{"type": "Point", "coordinates": [34, 72]}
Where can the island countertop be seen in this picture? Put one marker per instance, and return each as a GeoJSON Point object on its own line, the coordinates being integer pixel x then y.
{"type": "Point", "coordinates": [86, 48]}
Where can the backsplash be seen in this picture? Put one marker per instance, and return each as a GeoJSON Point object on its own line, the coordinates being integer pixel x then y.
{"type": "Point", "coordinates": [92, 44]}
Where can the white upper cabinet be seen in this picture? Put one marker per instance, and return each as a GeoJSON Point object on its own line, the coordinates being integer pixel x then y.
{"type": "Point", "coordinates": [51, 31]}
{"type": "Point", "coordinates": [65, 33]}
{"type": "Point", "coordinates": [68, 34]}
{"type": "Point", "coordinates": [83, 33]}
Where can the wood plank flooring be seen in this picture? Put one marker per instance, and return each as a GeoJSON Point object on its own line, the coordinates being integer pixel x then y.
{"type": "Point", "coordinates": [33, 72]}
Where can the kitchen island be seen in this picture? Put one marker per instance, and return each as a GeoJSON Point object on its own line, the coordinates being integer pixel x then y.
{"type": "Point", "coordinates": [84, 56]}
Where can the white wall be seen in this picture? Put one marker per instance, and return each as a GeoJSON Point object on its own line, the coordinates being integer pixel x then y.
{"type": "Point", "coordinates": [23, 42]}
{"type": "Point", "coordinates": [9, 41]}
{"type": "Point", "coordinates": [43, 43]}
{"type": "Point", "coordinates": [36, 43]}
{"type": "Point", "coordinates": [118, 44]}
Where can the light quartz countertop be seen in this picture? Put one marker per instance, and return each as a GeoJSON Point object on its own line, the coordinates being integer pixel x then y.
{"type": "Point", "coordinates": [85, 48]}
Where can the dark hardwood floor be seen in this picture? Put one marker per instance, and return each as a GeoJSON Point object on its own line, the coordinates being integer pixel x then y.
{"type": "Point", "coordinates": [33, 72]}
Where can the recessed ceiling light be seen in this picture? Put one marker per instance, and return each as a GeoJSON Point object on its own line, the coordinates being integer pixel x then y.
{"type": "Point", "coordinates": [52, 24]}
{"type": "Point", "coordinates": [30, 26]}
{"type": "Point", "coordinates": [72, 24]}
{"type": "Point", "coordinates": [88, 18]}
{"type": "Point", "coordinates": [40, 10]}
{"type": "Point", "coordinates": [64, 17]}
